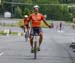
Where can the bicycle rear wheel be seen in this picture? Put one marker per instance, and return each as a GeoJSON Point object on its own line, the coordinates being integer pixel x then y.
{"type": "Point", "coordinates": [26, 38]}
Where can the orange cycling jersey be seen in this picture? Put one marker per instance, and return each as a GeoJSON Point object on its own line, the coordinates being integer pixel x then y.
{"type": "Point", "coordinates": [36, 19]}
{"type": "Point", "coordinates": [25, 21]}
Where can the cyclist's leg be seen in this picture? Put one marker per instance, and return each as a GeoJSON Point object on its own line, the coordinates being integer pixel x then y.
{"type": "Point", "coordinates": [28, 28]}
{"type": "Point", "coordinates": [31, 39]}
{"type": "Point", "coordinates": [60, 25]}
{"type": "Point", "coordinates": [23, 28]}
{"type": "Point", "coordinates": [40, 38]}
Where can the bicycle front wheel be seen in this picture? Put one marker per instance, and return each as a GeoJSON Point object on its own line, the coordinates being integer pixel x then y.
{"type": "Point", "coordinates": [35, 50]}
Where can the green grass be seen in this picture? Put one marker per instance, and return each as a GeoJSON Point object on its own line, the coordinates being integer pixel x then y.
{"type": "Point", "coordinates": [68, 21]}
{"type": "Point", "coordinates": [8, 25]}
{"type": "Point", "coordinates": [2, 33]}
{"type": "Point", "coordinates": [19, 23]}
{"type": "Point", "coordinates": [12, 33]}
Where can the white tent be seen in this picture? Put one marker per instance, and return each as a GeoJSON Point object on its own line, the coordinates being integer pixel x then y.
{"type": "Point", "coordinates": [7, 14]}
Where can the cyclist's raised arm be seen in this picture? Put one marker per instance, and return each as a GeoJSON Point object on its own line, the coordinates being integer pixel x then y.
{"type": "Point", "coordinates": [44, 20]}
{"type": "Point", "coordinates": [50, 26]}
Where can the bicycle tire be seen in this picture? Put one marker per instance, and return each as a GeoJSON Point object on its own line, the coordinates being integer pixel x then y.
{"type": "Point", "coordinates": [35, 50]}
{"type": "Point", "coordinates": [26, 36]}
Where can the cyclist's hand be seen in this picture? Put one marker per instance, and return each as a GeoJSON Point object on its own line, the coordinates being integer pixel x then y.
{"type": "Point", "coordinates": [22, 26]}
{"type": "Point", "coordinates": [51, 26]}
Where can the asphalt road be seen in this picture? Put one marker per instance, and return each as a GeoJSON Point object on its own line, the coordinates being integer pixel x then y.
{"type": "Point", "coordinates": [54, 49]}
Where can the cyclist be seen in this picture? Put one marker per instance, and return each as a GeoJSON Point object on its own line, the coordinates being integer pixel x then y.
{"type": "Point", "coordinates": [36, 19]}
{"type": "Point", "coordinates": [73, 25]}
{"type": "Point", "coordinates": [25, 23]}
{"type": "Point", "coordinates": [60, 25]}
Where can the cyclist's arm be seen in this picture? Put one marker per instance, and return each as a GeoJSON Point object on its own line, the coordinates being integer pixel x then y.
{"type": "Point", "coordinates": [44, 20]}
{"type": "Point", "coordinates": [29, 20]}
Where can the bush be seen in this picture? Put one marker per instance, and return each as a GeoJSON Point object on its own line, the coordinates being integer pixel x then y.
{"type": "Point", "coordinates": [56, 12]}
{"type": "Point", "coordinates": [18, 12]}
{"type": "Point", "coordinates": [26, 11]}
{"type": "Point", "coordinates": [72, 11]}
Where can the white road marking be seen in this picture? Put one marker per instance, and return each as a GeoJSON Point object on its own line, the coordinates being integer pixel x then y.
{"type": "Point", "coordinates": [1, 53]}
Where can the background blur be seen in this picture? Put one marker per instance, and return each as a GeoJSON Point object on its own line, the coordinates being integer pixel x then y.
{"type": "Point", "coordinates": [54, 9]}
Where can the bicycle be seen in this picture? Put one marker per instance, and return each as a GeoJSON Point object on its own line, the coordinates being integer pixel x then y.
{"type": "Point", "coordinates": [26, 34]}
{"type": "Point", "coordinates": [35, 41]}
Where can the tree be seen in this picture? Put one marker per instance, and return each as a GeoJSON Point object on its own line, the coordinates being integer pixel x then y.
{"type": "Point", "coordinates": [67, 1]}
{"type": "Point", "coordinates": [47, 1]}
{"type": "Point", "coordinates": [18, 12]}
{"type": "Point", "coordinates": [25, 1]}
{"type": "Point", "coordinates": [72, 11]}
{"type": "Point", "coordinates": [26, 11]}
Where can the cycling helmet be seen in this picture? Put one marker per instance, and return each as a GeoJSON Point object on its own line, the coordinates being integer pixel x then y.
{"type": "Point", "coordinates": [25, 16]}
{"type": "Point", "coordinates": [35, 6]}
